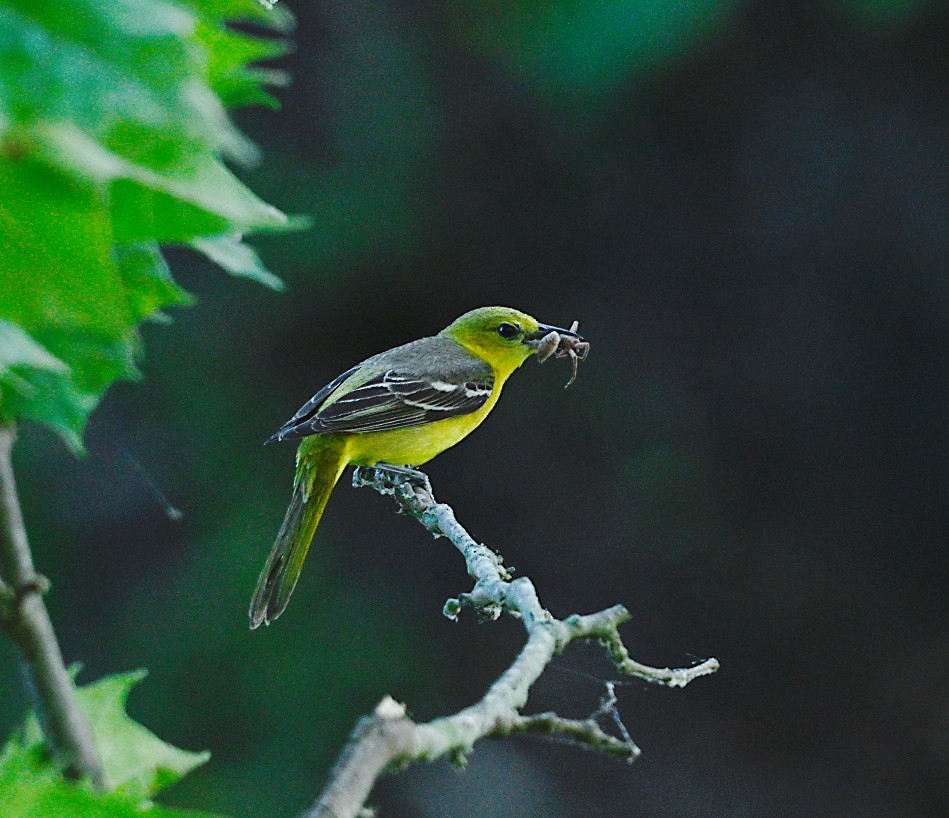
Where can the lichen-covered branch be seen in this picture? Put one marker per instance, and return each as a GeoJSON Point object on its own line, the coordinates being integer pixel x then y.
{"type": "Point", "coordinates": [23, 615]}
{"type": "Point", "coordinates": [389, 739]}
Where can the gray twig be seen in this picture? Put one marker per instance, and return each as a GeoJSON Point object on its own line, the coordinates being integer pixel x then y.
{"type": "Point", "coordinates": [388, 739]}
{"type": "Point", "coordinates": [583, 732]}
{"type": "Point", "coordinates": [23, 615]}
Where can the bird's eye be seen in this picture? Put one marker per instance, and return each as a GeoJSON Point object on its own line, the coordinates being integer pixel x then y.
{"type": "Point", "coordinates": [508, 331]}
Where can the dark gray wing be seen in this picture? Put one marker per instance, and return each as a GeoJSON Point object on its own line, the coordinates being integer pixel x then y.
{"type": "Point", "coordinates": [310, 408]}
{"type": "Point", "coordinates": [427, 380]}
{"type": "Point", "coordinates": [396, 400]}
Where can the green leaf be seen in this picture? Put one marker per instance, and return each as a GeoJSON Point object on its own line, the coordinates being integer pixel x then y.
{"type": "Point", "coordinates": [64, 275]}
{"type": "Point", "coordinates": [230, 52]}
{"type": "Point", "coordinates": [237, 258]}
{"type": "Point", "coordinates": [137, 762]}
{"type": "Point", "coordinates": [148, 280]}
{"type": "Point", "coordinates": [72, 293]}
{"type": "Point", "coordinates": [119, 70]}
{"type": "Point", "coordinates": [61, 286]}
{"type": "Point", "coordinates": [18, 351]}
{"type": "Point", "coordinates": [202, 198]}
{"type": "Point", "coordinates": [30, 787]}
{"type": "Point", "coordinates": [263, 12]}
{"type": "Point", "coordinates": [63, 401]}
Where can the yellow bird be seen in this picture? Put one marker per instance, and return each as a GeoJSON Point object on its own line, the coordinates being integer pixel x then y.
{"type": "Point", "coordinates": [401, 407]}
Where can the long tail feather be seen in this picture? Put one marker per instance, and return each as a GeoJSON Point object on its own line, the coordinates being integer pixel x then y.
{"type": "Point", "coordinates": [318, 468]}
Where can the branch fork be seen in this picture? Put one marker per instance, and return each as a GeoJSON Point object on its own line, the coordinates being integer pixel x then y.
{"type": "Point", "coordinates": [388, 739]}
{"type": "Point", "coordinates": [12, 599]}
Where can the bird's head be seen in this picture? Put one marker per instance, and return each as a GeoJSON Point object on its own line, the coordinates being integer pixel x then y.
{"type": "Point", "coordinates": [502, 336]}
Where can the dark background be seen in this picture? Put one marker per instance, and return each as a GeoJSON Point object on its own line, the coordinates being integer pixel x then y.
{"type": "Point", "coordinates": [745, 205]}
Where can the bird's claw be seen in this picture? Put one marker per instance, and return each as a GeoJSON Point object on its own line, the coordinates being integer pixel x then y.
{"type": "Point", "coordinates": [392, 477]}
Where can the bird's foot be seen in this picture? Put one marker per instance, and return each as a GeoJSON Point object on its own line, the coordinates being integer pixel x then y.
{"type": "Point", "coordinates": [392, 477]}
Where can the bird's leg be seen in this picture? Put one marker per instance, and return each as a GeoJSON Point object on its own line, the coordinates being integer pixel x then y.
{"type": "Point", "coordinates": [397, 474]}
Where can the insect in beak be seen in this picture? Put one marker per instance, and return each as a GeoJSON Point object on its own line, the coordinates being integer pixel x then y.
{"type": "Point", "coordinates": [559, 343]}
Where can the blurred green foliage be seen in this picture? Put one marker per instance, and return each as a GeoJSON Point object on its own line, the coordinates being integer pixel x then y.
{"type": "Point", "coordinates": [586, 49]}
{"type": "Point", "coordinates": [113, 136]}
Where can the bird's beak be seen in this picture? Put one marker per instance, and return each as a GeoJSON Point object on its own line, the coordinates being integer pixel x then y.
{"type": "Point", "coordinates": [534, 338]}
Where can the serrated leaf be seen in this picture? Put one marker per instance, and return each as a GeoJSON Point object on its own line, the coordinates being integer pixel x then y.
{"type": "Point", "coordinates": [229, 74]}
{"type": "Point", "coordinates": [152, 206]}
{"type": "Point", "coordinates": [61, 287]}
{"type": "Point", "coordinates": [208, 199]}
{"type": "Point", "coordinates": [66, 289]}
{"type": "Point", "coordinates": [119, 70]}
{"type": "Point", "coordinates": [148, 280]}
{"type": "Point", "coordinates": [124, 89]}
{"type": "Point", "coordinates": [18, 349]}
{"type": "Point", "coordinates": [237, 258]}
{"type": "Point", "coordinates": [136, 762]}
